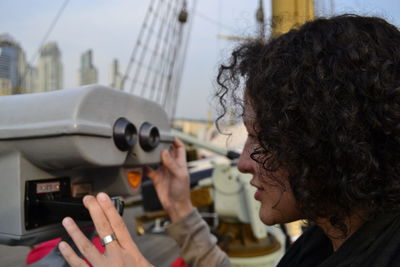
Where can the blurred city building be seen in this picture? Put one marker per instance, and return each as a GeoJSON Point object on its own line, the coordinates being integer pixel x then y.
{"type": "Point", "coordinates": [115, 75]}
{"type": "Point", "coordinates": [50, 69]}
{"type": "Point", "coordinates": [87, 72]}
{"type": "Point", "coordinates": [31, 79]}
{"type": "Point", "coordinates": [12, 66]}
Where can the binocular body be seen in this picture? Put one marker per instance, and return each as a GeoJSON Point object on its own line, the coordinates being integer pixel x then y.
{"type": "Point", "coordinates": [57, 146]}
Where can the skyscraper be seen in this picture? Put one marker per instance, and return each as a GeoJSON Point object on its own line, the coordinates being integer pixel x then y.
{"type": "Point", "coordinates": [87, 72]}
{"type": "Point", "coordinates": [50, 70]}
{"type": "Point", "coordinates": [12, 65]}
{"type": "Point", "coordinates": [115, 75]}
{"type": "Point", "coordinates": [31, 79]}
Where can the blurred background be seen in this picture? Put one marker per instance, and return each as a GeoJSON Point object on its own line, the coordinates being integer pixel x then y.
{"type": "Point", "coordinates": [98, 37]}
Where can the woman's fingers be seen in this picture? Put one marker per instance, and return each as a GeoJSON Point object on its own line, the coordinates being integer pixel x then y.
{"type": "Point", "coordinates": [169, 165]}
{"type": "Point", "coordinates": [116, 222]}
{"type": "Point", "coordinates": [180, 152]}
{"type": "Point", "coordinates": [152, 174]}
{"type": "Point", "coordinates": [70, 255]}
{"type": "Point", "coordinates": [100, 220]}
{"type": "Point", "coordinates": [84, 245]}
{"type": "Point", "coordinates": [173, 160]}
{"type": "Point", "coordinates": [168, 161]}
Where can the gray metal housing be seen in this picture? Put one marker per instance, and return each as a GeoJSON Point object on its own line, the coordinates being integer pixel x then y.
{"type": "Point", "coordinates": [68, 133]}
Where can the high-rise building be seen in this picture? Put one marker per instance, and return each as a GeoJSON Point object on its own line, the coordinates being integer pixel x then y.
{"type": "Point", "coordinates": [50, 70]}
{"type": "Point", "coordinates": [31, 79]}
{"type": "Point", "coordinates": [115, 75]}
{"type": "Point", "coordinates": [12, 66]}
{"type": "Point", "coordinates": [5, 86]}
{"type": "Point", "coordinates": [87, 72]}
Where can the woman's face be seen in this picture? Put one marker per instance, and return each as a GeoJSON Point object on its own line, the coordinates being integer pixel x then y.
{"type": "Point", "coordinates": [278, 204]}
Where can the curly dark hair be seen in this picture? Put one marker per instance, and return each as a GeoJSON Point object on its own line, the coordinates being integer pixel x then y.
{"type": "Point", "coordinates": [327, 104]}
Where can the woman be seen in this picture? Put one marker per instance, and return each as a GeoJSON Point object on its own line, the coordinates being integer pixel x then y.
{"type": "Point", "coordinates": [322, 109]}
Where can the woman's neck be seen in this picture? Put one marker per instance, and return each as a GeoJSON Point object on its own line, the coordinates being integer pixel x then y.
{"type": "Point", "coordinates": [336, 236]}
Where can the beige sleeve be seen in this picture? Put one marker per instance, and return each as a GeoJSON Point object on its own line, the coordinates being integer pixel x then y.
{"type": "Point", "coordinates": [198, 246]}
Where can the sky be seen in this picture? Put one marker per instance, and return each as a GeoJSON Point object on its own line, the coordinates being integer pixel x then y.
{"type": "Point", "coordinates": [110, 29]}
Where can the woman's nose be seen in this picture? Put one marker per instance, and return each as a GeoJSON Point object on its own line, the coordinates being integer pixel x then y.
{"type": "Point", "coordinates": [245, 162]}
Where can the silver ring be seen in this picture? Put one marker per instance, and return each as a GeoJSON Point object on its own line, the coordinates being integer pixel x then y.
{"type": "Point", "coordinates": [108, 239]}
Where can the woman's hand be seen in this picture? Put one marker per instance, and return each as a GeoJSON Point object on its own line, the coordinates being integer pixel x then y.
{"type": "Point", "coordinates": [120, 252]}
{"type": "Point", "coordinates": [171, 181]}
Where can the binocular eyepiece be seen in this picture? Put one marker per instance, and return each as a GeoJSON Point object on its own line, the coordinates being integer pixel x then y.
{"type": "Point", "coordinates": [125, 135]}
{"type": "Point", "coordinates": [149, 136]}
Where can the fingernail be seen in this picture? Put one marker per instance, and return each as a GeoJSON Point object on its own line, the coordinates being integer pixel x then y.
{"type": "Point", "coordinates": [62, 246]}
{"type": "Point", "coordinates": [67, 222]}
{"type": "Point", "coordinates": [102, 196]}
{"type": "Point", "coordinates": [86, 198]}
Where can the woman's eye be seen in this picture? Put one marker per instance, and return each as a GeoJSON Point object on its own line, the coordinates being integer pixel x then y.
{"type": "Point", "coordinates": [252, 141]}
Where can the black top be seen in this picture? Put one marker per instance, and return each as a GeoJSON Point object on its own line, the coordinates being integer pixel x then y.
{"type": "Point", "coordinates": [375, 244]}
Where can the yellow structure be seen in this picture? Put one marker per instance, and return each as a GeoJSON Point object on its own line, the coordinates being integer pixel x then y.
{"type": "Point", "coordinates": [288, 14]}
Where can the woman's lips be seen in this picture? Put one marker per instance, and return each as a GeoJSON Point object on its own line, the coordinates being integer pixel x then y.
{"type": "Point", "coordinates": [257, 194]}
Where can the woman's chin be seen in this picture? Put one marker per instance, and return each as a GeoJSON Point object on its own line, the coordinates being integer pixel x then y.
{"type": "Point", "coordinates": [267, 218]}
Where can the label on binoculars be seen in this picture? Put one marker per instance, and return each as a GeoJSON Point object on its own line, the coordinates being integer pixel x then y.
{"type": "Point", "coordinates": [49, 187]}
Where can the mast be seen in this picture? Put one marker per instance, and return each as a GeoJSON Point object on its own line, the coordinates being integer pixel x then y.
{"type": "Point", "coordinates": [287, 14]}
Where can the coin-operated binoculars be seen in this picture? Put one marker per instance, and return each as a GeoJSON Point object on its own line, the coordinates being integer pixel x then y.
{"type": "Point", "coordinates": [57, 146]}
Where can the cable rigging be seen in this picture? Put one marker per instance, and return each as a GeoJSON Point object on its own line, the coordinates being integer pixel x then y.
{"type": "Point", "coordinates": [44, 39]}
{"type": "Point", "coordinates": [157, 58]}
